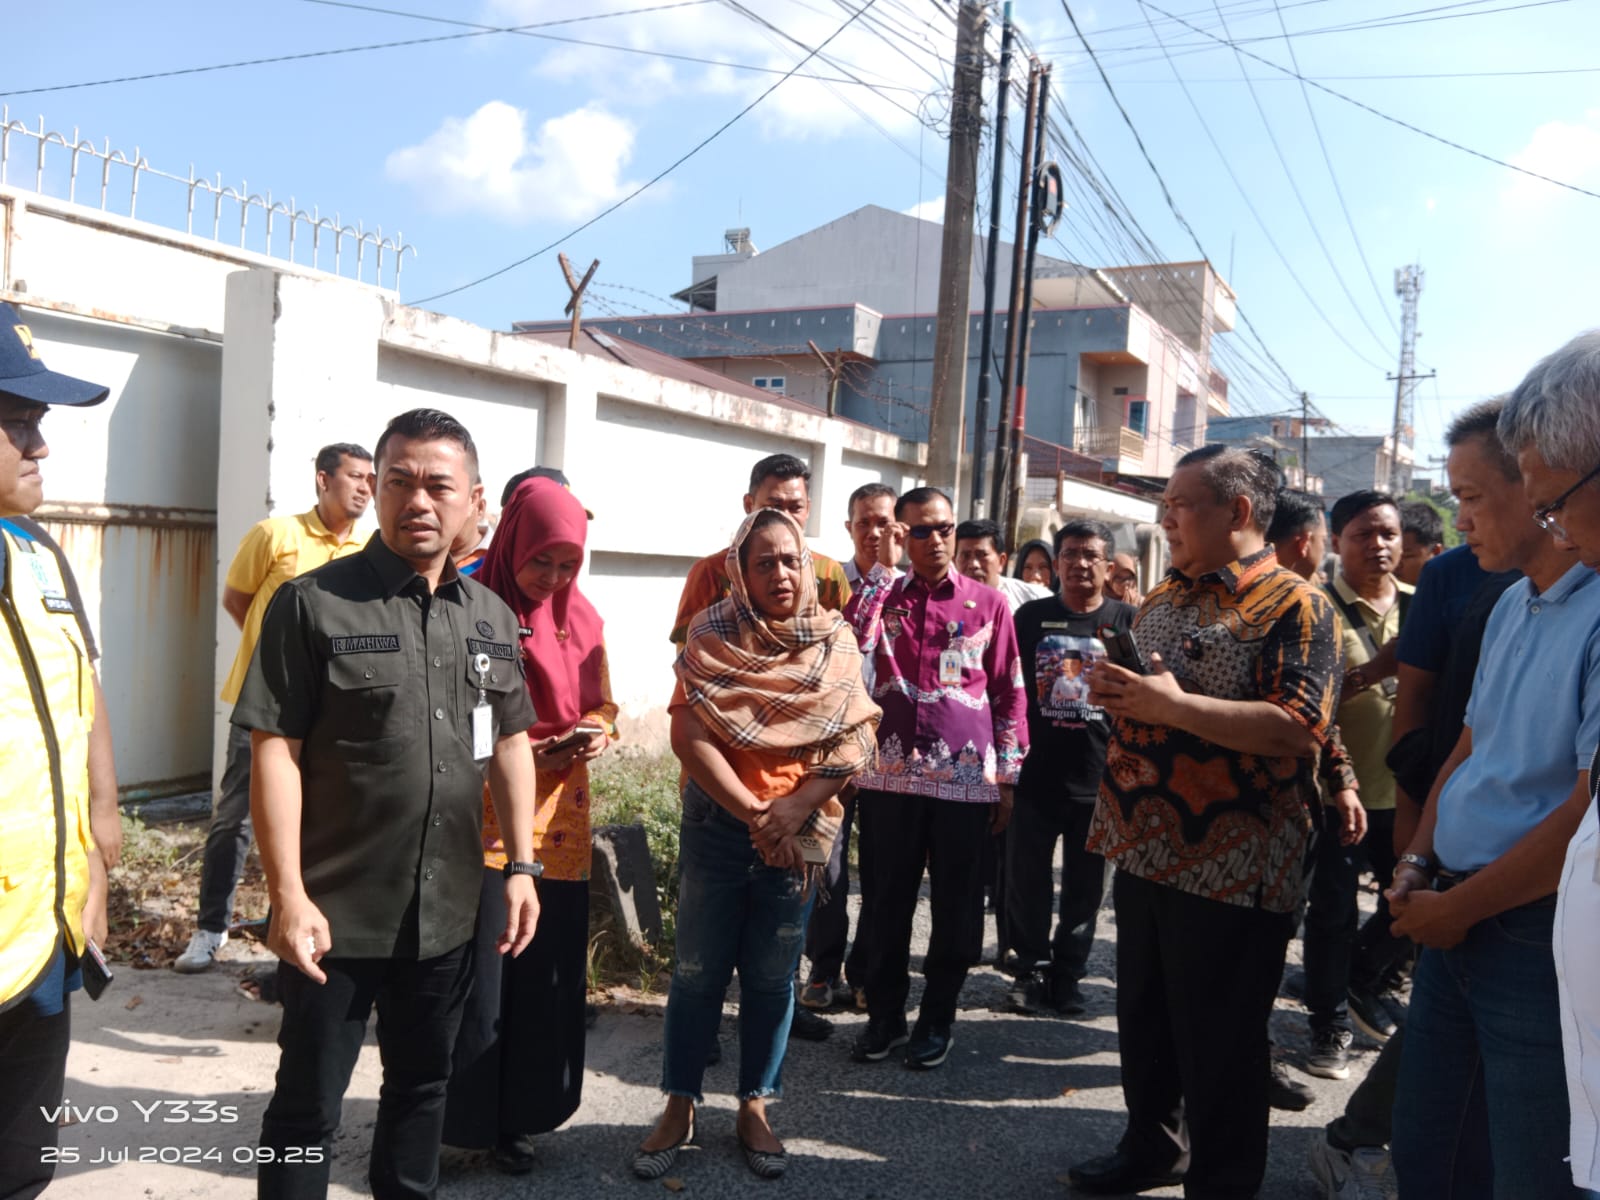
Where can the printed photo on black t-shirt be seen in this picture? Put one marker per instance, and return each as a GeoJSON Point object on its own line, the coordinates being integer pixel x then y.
{"type": "Point", "coordinates": [1061, 683]}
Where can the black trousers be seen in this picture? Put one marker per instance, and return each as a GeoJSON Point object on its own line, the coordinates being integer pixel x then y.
{"type": "Point", "coordinates": [33, 1070]}
{"type": "Point", "coordinates": [1195, 984]}
{"type": "Point", "coordinates": [900, 835]}
{"type": "Point", "coordinates": [1339, 950]}
{"type": "Point", "coordinates": [828, 931]}
{"type": "Point", "coordinates": [518, 1062]}
{"type": "Point", "coordinates": [1040, 819]}
{"type": "Point", "coordinates": [419, 1003]}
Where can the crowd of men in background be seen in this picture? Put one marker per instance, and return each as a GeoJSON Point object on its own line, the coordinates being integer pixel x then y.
{"type": "Point", "coordinates": [1302, 701]}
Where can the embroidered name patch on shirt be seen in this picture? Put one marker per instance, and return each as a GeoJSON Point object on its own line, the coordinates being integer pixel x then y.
{"type": "Point", "coordinates": [366, 643]}
{"type": "Point", "coordinates": [502, 650]}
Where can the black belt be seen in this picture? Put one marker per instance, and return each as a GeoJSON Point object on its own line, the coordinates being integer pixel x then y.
{"type": "Point", "coordinates": [1444, 880]}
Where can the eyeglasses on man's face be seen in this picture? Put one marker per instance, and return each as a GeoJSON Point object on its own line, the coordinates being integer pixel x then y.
{"type": "Point", "coordinates": [923, 532]}
{"type": "Point", "coordinates": [1545, 518]}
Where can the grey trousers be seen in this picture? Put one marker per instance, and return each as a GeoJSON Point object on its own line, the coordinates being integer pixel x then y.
{"type": "Point", "coordinates": [228, 841]}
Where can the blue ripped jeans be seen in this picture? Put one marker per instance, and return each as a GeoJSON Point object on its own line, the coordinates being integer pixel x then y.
{"type": "Point", "coordinates": [733, 911]}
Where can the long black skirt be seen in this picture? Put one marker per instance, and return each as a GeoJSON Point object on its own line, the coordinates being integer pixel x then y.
{"type": "Point", "coordinates": [518, 1064]}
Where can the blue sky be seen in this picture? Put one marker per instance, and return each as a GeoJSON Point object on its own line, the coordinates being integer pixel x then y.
{"type": "Point", "coordinates": [482, 149]}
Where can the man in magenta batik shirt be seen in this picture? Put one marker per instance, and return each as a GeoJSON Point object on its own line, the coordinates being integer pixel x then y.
{"type": "Point", "coordinates": [941, 660]}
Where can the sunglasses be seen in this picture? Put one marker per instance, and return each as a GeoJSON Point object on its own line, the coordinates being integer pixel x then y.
{"type": "Point", "coordinates": [923, 532]}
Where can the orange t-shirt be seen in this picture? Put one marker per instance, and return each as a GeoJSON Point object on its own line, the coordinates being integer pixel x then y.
{"type": "Point", "coordinates": [767, 775]}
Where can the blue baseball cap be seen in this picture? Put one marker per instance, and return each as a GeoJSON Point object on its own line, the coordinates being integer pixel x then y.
{"type": "Point", "coordinates": [23, 375]}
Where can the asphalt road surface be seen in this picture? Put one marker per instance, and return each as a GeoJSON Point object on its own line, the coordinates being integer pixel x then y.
{"type": "Point", "coordinates": [1019, 1100]}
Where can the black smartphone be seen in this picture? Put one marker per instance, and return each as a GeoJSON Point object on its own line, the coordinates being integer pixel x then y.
{"type": "Point", "coordinates": [96, 974]}
{"type": "Point", "coordinates": [1122, 649]}
{"type": "Point", "coordinates": [578, 737]}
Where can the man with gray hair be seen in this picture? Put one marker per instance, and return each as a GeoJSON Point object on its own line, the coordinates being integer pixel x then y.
{"type": "Point", "coordinates": [1552, 424]}
{"type": "Point", "coordinates": [1206, 812]}
{"type": "Point", "coordinates": [1479, 1096]}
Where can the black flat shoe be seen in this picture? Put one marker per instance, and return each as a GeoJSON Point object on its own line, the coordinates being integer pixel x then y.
{"type": "Point", "coordinates": [653, 1164]}
{"type": "Point", "coordinates": [1116, 1174]}
{"type": "Point", "coordinates": [514, 1154]}
{"type": "Point", "coordinates": [809, 1027]}
{"type": "Point", "coordinates": [764, 1164]}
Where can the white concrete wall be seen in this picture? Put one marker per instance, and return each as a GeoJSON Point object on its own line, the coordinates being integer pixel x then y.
{"type": "Point", "coordinates": [228, 370]}
{"type": "Point", "coordinates": [662, 463]}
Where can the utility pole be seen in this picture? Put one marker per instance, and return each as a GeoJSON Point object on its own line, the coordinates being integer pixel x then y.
{"type": "Point", "coordinates": [1036, 220]}
{"type": "Point", "coordinates": [1305, 442]}
{"type": "Point", "coordinates": [980, 451]}
{"type": "Point", "coordinates": [1408, 286]}
{"type": "Point", "coordinates": [947, 410]}
{"type": "Point", "coordinates": [1002, 445]}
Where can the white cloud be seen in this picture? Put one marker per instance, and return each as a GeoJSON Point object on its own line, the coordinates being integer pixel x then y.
{"type": "Point", "coordinates": [928, 210]}
{"type": "Point", "coordinates": [1564, 150]}
{"type": "Point", "coordinates": [568, 169]}
{"type": "Point", "coordinates": [904, 57]}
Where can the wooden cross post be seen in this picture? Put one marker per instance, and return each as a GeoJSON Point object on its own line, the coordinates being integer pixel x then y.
{"type": "Point", "coordinates": [575, 305]}
{"type": "Point", "coordinates": [835, 367]}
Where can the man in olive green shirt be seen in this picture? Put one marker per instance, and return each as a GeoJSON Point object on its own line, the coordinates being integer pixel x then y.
{"type": "Point", "coordinates": [384, 687]}
{"type": "Point", "coordinates": [1345, 964]}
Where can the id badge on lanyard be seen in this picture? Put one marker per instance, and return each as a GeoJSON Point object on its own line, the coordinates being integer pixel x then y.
{"type": "Point", "coordinates": [950, 658]}
{"type": "Point", "coordinates": [482, 714]}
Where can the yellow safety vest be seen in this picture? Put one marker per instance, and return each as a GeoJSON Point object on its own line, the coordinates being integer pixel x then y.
{"type": "Point", "coordinates": [46, 709]}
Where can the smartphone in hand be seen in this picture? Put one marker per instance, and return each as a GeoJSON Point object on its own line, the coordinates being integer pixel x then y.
{"type": "Point", "coordinates": [578, 737]}
{"type": "Point", "coordinates": [96, 974]}
{"type": "Point", "coordinates": [1122, 649]}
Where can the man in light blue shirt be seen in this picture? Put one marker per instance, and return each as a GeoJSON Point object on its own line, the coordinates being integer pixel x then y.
{"type": "Point", "coordinates": [1481, 1106]}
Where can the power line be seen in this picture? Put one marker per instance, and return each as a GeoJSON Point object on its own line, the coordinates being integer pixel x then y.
{"type": "Point", "coordinates": [1165, 191]}
{"type": "Point", "coordinates": [593, 45]}
{"type": "Point", "coordinates": [477, 31]}
{"type": "Point", "coordinates": [1366, 263]}
{"type": "Point", "coordinates": [1293, 186]}
{"type": "Point", "coordinates": [655, 179]}
{"type": "Point", "coordinates": [1382, 22]}
{"type": "Point", "coordinates": [1393, 120]}
{"type": "Point", "coordinates": [1402, 76]}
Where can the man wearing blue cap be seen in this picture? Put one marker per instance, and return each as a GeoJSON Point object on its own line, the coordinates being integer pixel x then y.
{"type": "Point", "coordinates": [52, 877]}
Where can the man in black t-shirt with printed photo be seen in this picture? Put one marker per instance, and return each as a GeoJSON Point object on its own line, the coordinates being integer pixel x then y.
{"type": "Point", "coordinates": [1058, 639]}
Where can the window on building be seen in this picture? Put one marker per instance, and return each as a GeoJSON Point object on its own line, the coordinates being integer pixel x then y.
{"type": "Point", "coordinates": [1184, 420]}
{"type": "Point", "coordinates": [1139, 417]}
{"type": "Point", "coordinates": [770, 383]}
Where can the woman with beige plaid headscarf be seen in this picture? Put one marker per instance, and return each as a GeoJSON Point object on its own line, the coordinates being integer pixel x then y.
{"type": "Point", "coordinates": [770, 720]}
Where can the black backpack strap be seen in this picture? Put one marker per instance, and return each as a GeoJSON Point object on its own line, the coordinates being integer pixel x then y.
{"type": "Point", "coordinates": [1355, 620]}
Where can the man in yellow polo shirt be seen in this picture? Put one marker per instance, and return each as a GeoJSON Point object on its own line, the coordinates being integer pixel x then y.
{"type": "Point", "coordinates": [272, 553]}
{"type": "Point", "coordinates": [52, 878]}
{"type": "Point", "coordinates": [1345, 967]}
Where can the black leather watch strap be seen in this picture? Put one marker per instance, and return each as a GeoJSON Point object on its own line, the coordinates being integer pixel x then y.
{"type": "Point", "coordinates": [536, 869]}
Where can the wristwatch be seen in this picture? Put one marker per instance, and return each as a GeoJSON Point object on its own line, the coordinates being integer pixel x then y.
{"type": "Point", "coordinates": [1420, 861]}
{"type": "Point", "coordinates": [535, 869]}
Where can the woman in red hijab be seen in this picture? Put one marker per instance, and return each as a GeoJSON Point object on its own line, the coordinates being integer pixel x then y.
{"type": "Point", "coordinates": [518, 1068]}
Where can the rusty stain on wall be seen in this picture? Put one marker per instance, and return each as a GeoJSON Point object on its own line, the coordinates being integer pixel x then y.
{"type": "Point", "coordinates": [148, 576]}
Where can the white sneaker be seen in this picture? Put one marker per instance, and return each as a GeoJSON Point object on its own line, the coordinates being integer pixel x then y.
{"type": "Point", "coordinates": [201, 952]}
{"type": "Point", "coordinates": [1363, 1174]}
